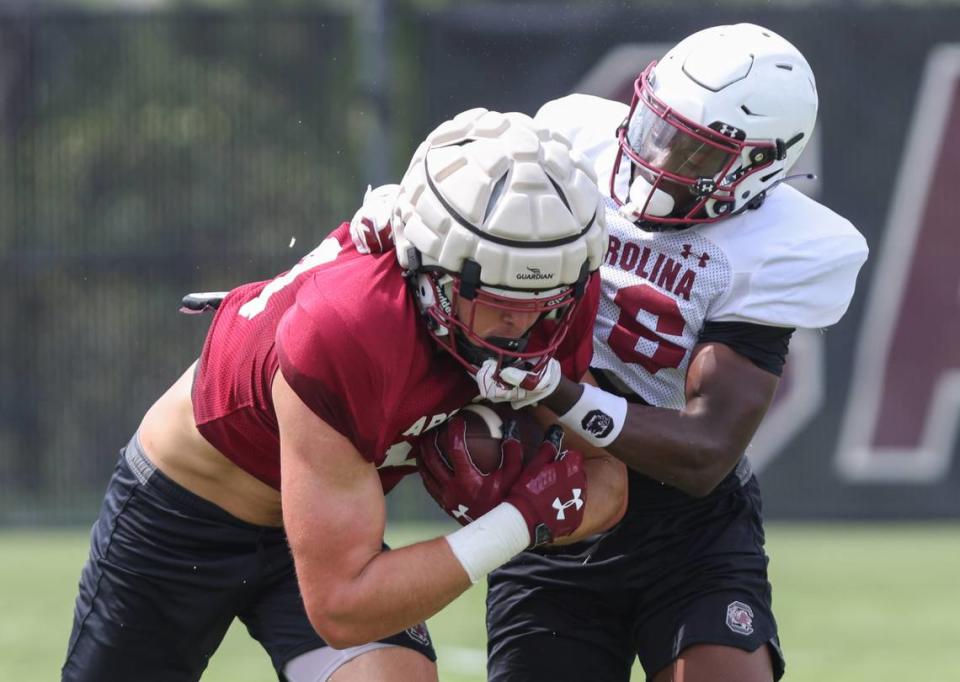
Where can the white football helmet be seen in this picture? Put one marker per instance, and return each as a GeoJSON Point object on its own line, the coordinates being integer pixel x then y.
{"type": "Point", "coordinates": [500, 212]}
{"type": "Point", "coordinates": [713, 126]}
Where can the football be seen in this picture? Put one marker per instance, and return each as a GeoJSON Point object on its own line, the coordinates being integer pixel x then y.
{"type": "Point", "coordinates": [485, 429]}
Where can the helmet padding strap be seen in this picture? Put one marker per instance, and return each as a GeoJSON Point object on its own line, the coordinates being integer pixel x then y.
{"type": "Point", "coordinates": [469, 279]}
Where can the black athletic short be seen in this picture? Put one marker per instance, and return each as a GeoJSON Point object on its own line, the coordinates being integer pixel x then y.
{"type": "Point", "coordinates": [676, 571]}
{"type": "Point", "coordinates": [167, 574]}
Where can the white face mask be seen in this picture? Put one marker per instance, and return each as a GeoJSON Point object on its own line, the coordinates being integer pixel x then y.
{"type": "Point", "coordinates": [661, 203]}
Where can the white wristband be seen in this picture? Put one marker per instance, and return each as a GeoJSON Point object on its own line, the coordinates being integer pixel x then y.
{"type": "Point", "coordinates": [598, 416]}
{"type": "Point", "coordinates": [491, 540]}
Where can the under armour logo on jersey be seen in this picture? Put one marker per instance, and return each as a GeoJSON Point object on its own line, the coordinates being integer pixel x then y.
{"type": "Point", "coordinates": [687, 250]}
{"type": "Point", "coordinates": [561, 507]}
{"type": "Point", "coordinates": [461, 513]}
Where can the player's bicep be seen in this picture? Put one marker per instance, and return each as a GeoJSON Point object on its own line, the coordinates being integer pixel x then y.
{"type": "Point", "coordinates": [728, 392]}
{"type": "Point", "coordinates": [333, 504]}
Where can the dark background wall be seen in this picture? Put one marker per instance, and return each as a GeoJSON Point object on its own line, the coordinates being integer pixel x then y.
{"type": "Point", "coordinates": [147, 154]}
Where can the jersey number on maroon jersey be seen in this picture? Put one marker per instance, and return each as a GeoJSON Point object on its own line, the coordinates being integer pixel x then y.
{"type": "Point", "coordinates": [324, 253]}
{"type": "Point", "coordinates": [631, 333]}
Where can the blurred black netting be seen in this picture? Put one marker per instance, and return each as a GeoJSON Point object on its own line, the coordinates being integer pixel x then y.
{"type": "Point", "coordinates": [144, 156]}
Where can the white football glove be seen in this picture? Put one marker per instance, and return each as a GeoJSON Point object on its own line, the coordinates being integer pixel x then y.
{"type": "Point", "coordinates": [509, 387]}
{"type": "Point", "coordinates": [370, 228]}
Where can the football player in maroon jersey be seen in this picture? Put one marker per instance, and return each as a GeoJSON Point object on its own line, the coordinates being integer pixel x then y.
{"type": "Point", "coordinates": [254, 487]}
{"type": "Point", "coordinates": [712, 265]}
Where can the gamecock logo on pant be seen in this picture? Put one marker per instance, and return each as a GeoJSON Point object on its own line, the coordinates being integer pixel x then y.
{"type": "Point", "coordinates": [740, 618]}
{"type": "Point", "coordinates": [419, 633]}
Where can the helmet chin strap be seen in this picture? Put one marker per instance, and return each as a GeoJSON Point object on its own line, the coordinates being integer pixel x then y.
{"type": "Point", "coordinates": [660, 203]}
{"type": "Point", "coordinates": [476, 355]}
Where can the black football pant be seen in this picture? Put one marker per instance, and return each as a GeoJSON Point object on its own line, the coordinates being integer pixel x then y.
{"type": "Point", "coordinates": [167, 574]}
{"type": "Point", "coordinates": [676, 571]}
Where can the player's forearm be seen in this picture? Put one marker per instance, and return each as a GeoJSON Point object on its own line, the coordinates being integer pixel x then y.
{"type": "Point", "coordinates": [682, 448]}
{"type": "Point", "coordinates": [567, 393]}
{"type": "Point", "coordinates": [395, 590]}
{"type": "Point", "coordinates": [691, 449]}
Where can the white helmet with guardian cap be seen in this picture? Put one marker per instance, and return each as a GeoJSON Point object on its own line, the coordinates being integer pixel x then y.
{"type": "Point", "coordinates": [500, 212]}
{"type": "Point", "coordinates": [713, 126]}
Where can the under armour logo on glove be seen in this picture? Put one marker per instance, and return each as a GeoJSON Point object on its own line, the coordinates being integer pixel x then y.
{"type": "Point", "coordinates": [546, 481]}
{"type": "Point", "coordinates": [562, 506]}
{"type": "Point", "coordinates": [461, 513]}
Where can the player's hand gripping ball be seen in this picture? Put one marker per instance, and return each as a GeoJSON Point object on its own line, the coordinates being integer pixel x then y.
{"type": "Point", "coordinates": [470, 463]}
{"type": "Point", "coordinates": [551, 491]}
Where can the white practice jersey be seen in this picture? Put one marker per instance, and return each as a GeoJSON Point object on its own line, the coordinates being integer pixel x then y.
{"type": "Point", "coordinates": [791, 263]}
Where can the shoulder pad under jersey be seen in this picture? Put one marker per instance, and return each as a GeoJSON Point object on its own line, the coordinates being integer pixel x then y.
{"type": "Point", "coordinates": [589, 123]}
{"type": "Point", "coordinates": [794, 263]}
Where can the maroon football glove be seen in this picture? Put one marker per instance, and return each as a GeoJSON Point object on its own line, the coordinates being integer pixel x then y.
{"type": "Point", "coordinates": [551, 490]}
{"type": "Point", "coordinates": [451, 478]}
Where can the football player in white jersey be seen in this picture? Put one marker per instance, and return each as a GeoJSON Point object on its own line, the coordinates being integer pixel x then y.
{"type": "Point", "coordinates": [712, 264]}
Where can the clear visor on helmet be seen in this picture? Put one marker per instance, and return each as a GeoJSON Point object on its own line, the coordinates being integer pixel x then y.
{"type": "Point", "coordinates": [660, 144]}
{"type": "Point", "coordinates": [681, 164]}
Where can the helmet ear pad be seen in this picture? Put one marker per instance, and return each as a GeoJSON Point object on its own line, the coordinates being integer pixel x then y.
{"type": "Point", "coordinates": [428, 291]}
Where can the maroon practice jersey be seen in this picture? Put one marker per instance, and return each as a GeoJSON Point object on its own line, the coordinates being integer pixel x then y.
{"type": "Point", "coordinates": [345, 331]}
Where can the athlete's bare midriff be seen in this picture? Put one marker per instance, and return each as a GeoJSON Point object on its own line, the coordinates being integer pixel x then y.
{"type": "Point", "coordinates": [171, 440]}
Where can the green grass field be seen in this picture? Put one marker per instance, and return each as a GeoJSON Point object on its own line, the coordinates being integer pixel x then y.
{"type": "Point", "coordinates": [856, 603]}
